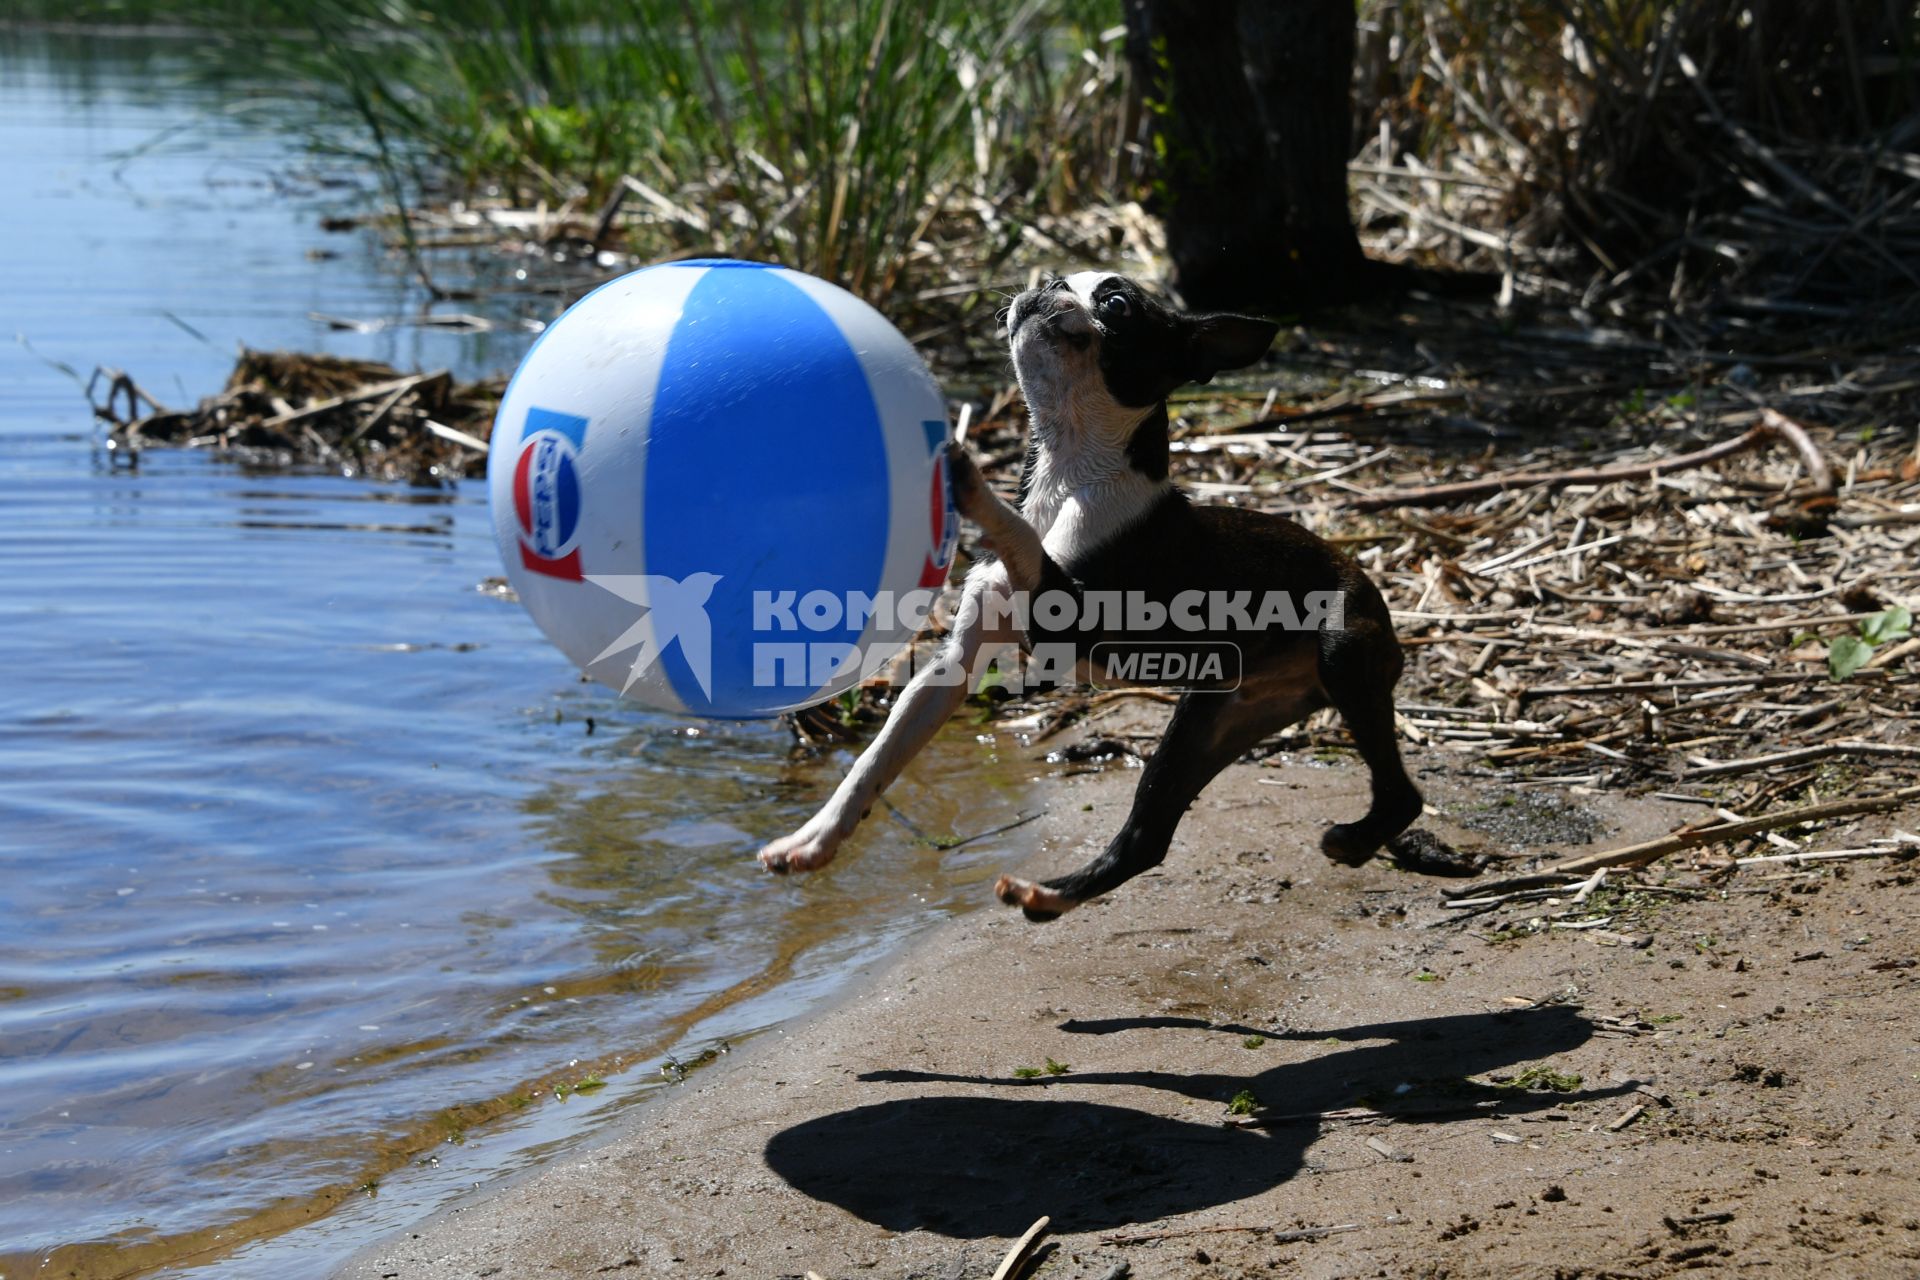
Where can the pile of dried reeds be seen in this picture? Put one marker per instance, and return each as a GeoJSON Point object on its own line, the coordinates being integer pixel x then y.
{"type": "Point", "coordinates": [1716, 166]}
{"type": "Point", "coordinates": [286, 409]}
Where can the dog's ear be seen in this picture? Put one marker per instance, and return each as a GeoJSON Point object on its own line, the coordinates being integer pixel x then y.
{"type": "Point", "coordinates": [1225, 341]}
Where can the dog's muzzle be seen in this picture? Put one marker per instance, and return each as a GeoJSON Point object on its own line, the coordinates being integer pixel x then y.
{"type": "Point", "coordinates": [1055, 312]}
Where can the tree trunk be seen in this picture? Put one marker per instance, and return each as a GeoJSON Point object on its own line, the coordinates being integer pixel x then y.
{"type": "Point", "coordinates": [1251, 121]}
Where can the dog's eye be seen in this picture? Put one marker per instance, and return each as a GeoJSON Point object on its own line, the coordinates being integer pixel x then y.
{"type": "Point", "coordinates": [1115, 305]}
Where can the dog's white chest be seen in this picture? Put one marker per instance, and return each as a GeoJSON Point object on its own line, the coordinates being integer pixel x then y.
{"type": "Point", "coordinates": [1073, 521]}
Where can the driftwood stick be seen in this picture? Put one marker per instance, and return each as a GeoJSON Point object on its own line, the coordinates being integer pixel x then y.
{"type": "Point", "coordinates": [1311, 1233]}
{"type": "Point", "coordinates": [1771, 427]}
{"type": "Point", "coordinates": [1682, 686]}
{"type": "Point", "coordinates": [1834, 855]}
{"type": "Point", "coordinates": [603, 223]}
{"type": "Point", "coordinates": [1805, 623]}
{"type": "Point", "coordinates": [119, 385]}
{"type": "Point", "coordinates": [1803, 755]}
{"type": "Point", "coordinates": [1594, 881]}
{"type": "Point", "coordinates": [1022, 1250]}
{"type": "Point", "coordinates": [1264, 1120]}
{"type": "Point", "coordinates": [379, 415]}
{"type": "Point", "coordinates": [455, 436]}
{"type": "Point", "coordinates": [363, 394]}
{"type": "Point", "coordinates": [1278, 1237]}
{"type": "Point", "coordinates": [1004, 827]}
{"type": "Point", "coordinates": [1814, 462]}
{"type": "Point", "coordinates": [1635, 855]}
{"type": "Point", "coordinates": [1387, 1151]}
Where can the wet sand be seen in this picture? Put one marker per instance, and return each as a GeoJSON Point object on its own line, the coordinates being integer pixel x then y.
{"type": "Point", "coordinates": [1746, 1098]}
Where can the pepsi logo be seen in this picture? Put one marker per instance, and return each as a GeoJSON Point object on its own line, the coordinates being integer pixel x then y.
{"type": "Point", "coordinates": [944, 525]}
{"type": "Point", "coordinates": [546, 493]}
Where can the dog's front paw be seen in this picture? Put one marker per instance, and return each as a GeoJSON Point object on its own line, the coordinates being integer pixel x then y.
{"type": "Point", "coordinates": [971, 497]}
{"type": "Point", "coordinates": [804, 850]}
{"type": "Point", "coordinates": [1036, 901]}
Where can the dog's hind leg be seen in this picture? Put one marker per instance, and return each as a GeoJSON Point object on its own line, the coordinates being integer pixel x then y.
{"type": "Point", "coordinates": [1208, 732]}
{"type": "Point", "coordinates": [930, 698]}
{"type": "Point", "coordinates": [1358, 668]}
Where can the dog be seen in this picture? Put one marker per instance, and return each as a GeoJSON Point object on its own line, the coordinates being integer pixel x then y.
{"type": "Point", "coordinates": [1097, 356]}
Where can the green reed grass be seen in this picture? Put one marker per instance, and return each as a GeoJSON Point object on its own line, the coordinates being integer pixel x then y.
{"type": "Point", "coordinates": [827, 136]}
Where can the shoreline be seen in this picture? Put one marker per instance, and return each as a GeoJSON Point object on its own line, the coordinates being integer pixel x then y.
{"type": "Point", "coordinates": [897, 1132]}
{"type": "Point", "coordinates": [697, 1043]}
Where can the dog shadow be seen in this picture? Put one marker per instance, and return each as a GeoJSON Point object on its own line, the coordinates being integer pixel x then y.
{"type": "Point", "coordinates": [970, 1167]}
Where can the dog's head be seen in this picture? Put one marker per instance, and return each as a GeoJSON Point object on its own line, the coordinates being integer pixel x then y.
{"type": "Point", "coordinates": [1096, 347]}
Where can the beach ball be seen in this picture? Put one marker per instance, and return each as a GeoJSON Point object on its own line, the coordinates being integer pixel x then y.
{"type": "Point", "coordinates": [719, 487]}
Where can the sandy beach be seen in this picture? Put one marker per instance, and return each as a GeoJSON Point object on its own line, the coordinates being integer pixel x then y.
{"type": "Point", "coordinates": [1733, 1089]}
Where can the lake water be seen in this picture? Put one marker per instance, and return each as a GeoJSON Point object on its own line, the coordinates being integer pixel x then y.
{"type": "Point", "coordinates": [323, 880]}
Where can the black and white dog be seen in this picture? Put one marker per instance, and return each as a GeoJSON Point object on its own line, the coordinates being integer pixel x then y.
{"type": "Point", "coordinates": [1096, 358]}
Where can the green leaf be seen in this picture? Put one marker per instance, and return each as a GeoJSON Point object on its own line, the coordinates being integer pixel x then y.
{"type": "Point", "coordinates": [1894, 623]}
{"type": "Point", "coordinates": [1847, 655]}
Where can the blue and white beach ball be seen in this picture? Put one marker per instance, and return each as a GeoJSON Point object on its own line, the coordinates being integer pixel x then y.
{"type": "Point", "coordinates": [718, 487]}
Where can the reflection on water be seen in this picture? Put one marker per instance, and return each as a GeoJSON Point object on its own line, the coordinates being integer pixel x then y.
{"type": "Point", "coordinates": [322, 876]}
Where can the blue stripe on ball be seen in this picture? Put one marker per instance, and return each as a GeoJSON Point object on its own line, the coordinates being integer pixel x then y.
{"type": "Point", "coordinates": [722, 262]}
{"type": "Point", "coordinates": [753, 350]}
